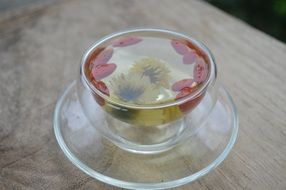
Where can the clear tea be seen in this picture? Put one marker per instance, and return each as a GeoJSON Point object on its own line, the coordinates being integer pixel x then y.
{"type": "Point", "coordinates": [137, 72]}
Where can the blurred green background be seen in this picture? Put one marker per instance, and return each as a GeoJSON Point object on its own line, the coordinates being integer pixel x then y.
{"type": "Point", "coordinates": [266, 15]}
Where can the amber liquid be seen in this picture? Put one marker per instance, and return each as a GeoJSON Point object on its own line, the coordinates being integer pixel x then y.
{"type": "Point", "coordinates": [140, 75]}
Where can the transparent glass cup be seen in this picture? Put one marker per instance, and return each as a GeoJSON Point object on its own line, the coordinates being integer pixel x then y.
{"type": "Point", "coordinates": [147, 128]}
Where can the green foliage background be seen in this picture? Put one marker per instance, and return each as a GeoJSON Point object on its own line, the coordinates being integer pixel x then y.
{"type": "Point", "coordinates": [266, 15]}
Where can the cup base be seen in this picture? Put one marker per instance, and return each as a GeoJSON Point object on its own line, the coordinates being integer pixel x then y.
{"type": "Point", "coordinates": [176, 165]}
{"type": "Point", "coordinates": [145, 139]}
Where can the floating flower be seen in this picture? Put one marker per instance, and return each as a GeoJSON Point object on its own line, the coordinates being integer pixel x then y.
{"type": "Point", "coordinates": [101, 87]}
{"type": "Point", "coordinates": [103, 57]}
{"type": "Point", "coordinates": [103, 70]}
{"type": "Point", "coordinates": [200, 71]}
{"type": "Point", "coordinates": [190, 57]}
{"type": "Point", "coordinates": [179, 47]}
{"type": "Point", "coordinates": [179, 85]}
{"type": "Point", "coordinates": [184, 92]}
{"type": "Point", "coordinates": [154, 69]}
{"type": "Point", "coordinates": [133, 88]}
{"type": "Point", "coordinates": [126, 41]}
{"type": "Point", "coordinates": [93, 56]}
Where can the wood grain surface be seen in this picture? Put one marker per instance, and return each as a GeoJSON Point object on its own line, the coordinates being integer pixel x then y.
{"type": "Point", "coordinates": [40, 49]}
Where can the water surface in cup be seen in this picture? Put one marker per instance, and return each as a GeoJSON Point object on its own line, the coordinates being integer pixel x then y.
{"type": "Point", "coordinates": [147, 70]}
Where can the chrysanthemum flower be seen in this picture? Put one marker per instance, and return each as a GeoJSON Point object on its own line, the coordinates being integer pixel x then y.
{"type": "Point", "coordinates": [154, 69]}
{"type": "Point", "coordinates": [133, 89]}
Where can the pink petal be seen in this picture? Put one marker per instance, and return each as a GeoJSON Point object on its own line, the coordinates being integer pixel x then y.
{"type": "Point", "coordinates": [184, 92]}
{"type": "Point", "coordinates": [103, 70]}
{"type": "Point", "coordinates": [103, 57]}
{"type": "Point", "coordinates": [200, 71]}
{"type": "Point", "coordinates": [126, 41]}
{"type": "Point", "coordinates": [182, 84]}
{"type": "Point", "coordinates": [102, 87]}
{"type": "Point", "coordinates": [179, 47]}
{"type": "Point", "coordinates": [189, 57]}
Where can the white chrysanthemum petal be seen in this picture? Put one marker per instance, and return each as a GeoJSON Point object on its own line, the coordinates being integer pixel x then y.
{"type": "Point", "coordinates": [133, 88]}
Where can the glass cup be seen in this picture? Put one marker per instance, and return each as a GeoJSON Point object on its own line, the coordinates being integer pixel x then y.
{"type": "Point", "coordinates": [146, 128]}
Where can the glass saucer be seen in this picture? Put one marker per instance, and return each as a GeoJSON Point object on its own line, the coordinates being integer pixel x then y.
{"type": "Point", "coordinates": [102, 160]}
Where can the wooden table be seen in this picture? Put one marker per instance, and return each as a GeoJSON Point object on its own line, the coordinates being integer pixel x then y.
{"type": "Point", "coordinates": [40, 49]}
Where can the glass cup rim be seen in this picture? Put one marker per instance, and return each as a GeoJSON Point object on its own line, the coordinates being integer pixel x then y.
{"type": "Point", "coordinates": [210, 80]}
